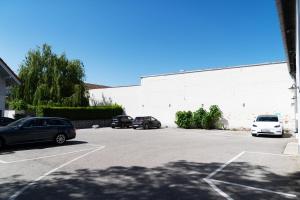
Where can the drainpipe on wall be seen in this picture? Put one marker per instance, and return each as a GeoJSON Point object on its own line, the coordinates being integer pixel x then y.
{"type": "Point", "coordinates": [298, 68]}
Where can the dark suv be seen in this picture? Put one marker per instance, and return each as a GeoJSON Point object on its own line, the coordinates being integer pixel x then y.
{"type": "Point", "coordinates": [146, 122]}
{"type": "Point", "coordinates": [37, 129]}
{"type": "Point", "coordinates": [122, 121]}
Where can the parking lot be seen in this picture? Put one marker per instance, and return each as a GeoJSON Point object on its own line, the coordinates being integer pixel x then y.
{"type": "Point", "coordinates": [152, 164]}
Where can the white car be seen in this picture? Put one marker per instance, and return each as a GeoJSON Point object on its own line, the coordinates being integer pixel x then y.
{"type": "Point", "coordinates": [266, 125]}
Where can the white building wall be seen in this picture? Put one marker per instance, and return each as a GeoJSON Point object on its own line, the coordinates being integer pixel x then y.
{"type": "Point", "coordinates": [128, 97]}
{"type": "Point", "coordinates": [242, 93]}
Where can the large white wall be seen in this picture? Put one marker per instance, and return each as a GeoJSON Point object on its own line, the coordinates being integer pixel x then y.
{"type": "Point", "coordinates": [241, 92]}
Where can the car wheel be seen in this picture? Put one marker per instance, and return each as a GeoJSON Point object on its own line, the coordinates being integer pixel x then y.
{"type": "Point", "coordinates": [159, 125]}
{"type": "Point", "coordinates": [134, 127]}
{"type": "Point", "coordinates": [60, 139]}
{"type": "Point", "coordinates": [146, 126]}
{"type": "Point", "coordinates": [112, 127]}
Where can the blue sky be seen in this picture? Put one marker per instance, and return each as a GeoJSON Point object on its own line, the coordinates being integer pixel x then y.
{"type": "Point", "coordinates": [120, 40]}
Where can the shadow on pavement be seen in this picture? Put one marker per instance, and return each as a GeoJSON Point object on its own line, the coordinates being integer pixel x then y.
{"type": "Point", "coordinates": [42, 145]}
{"type": "Point", "coordinates": [180, 180]}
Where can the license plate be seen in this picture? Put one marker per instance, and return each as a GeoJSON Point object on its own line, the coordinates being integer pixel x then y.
{"type": "Point", "coordinates": [265, 130]}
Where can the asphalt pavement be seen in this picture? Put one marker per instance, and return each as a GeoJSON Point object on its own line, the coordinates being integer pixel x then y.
{"type": "Point", "coordinates": [152, 164]}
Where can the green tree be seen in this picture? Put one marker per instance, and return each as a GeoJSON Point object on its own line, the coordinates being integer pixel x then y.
{"type": "Point", "coordinates": [50, 79]}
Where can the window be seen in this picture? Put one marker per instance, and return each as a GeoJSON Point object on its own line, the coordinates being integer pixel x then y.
{"type": "Point", "coordinates": [36, 123]}
{"type": "Point", "coordinates": [267, 119]}
{"type": "Point", "coordinates": [54, 122]}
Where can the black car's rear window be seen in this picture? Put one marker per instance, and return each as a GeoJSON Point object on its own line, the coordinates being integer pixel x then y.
{"type": "Point", "coordinates": [55, 122]}
{"type": "Point", "coordinates": [267, 119]}
{"type": "Point", "coordinates": [139, 118]}
{"type": "Point", "coordinates": [142, 118]}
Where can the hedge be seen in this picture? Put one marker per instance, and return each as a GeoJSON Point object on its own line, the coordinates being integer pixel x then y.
{"type": "Point", "coordinates": [81, 113]}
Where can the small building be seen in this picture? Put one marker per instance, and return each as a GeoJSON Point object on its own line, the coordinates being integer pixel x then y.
{"type": "Point", "coordinates": [7, 79]}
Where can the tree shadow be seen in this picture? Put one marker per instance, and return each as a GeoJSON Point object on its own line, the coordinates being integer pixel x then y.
{"type": "Point", "coordinates": [41, 145]}
{"type": "Point", "coordinates": [180, 180]}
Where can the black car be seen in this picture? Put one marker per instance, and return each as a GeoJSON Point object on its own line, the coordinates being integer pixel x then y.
{"type": "Point", "coordinates": [122, 121]}
{"type": "Point", "coordinates": [5, 120]}
{"type": "Point", "coordinates": [37, 129]}
{"type": "Point", "coordinates": [146, 122]}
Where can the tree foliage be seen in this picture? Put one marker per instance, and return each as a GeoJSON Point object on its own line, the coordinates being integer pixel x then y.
{"type": "Point", "coordinates": [50, 79]}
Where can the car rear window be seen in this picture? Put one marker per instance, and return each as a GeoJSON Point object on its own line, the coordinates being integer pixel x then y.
{"type": "Point", "coordinates": [267, 119]}
{"type": "Point", "coordinates": [55, 122]}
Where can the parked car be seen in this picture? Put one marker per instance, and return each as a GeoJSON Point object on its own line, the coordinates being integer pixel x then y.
{"type": "Point", "coordinates": [267, 124]}
{"type": "Point", "coordinates": [122, 121]}
{"type": "Point", "coordinates": [37, 129]}
{"type": "Point", "coordinates": [146, 122]}
{"type": "Point", "coordinates": [5, 120]}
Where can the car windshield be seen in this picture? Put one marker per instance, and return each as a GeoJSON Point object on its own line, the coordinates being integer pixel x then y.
{"type": "Point", "coordinates": [267, 119]}
{"type": "Point", "coordinates": [17, 123]}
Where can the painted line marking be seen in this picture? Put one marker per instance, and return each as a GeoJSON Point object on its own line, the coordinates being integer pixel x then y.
{"type": "Point", "coordinates": [215, 188]}
{"type": "Point", "coordinates": [255, 188]}
{"type": "Point", "coordinates": [3, 162]}
{"type": "Point", "coordinates": [272, 154]}
{"type": "Point", "coordinates": [94, 145]}
{"type": "Point", "coordinates": [224, 165]}
{"type": "Point", "coordinates": [18, 193]}
{"type": "Point", "coordinates": [209, 179]}
{"type": "Point", "coordinates": [49, 156]}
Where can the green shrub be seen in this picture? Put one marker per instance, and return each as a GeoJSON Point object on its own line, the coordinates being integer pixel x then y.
{"type": "Point", "coordinates": [207, 122]}
{"type": "Point", "coordinates": [184, 119]}
{"type": "Point", "coordinates": [80, 113]}
{"type": "Point", "coordinates": [215, 114]}
{"type": "Point", "coordinates": [198, 117]}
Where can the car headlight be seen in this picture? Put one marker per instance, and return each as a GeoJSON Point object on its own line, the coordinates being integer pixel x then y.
{"type": "Point", "coordinates": [254, 125]}
{"type": "Point", "coordinates": [277, 126]}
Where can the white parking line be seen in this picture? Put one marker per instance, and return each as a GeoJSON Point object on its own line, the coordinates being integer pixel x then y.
{"type": "Point", "coordinates": [215, 188]}
{"type": "Point", "coordinates": [42, 157]}
{"type": "Point", "coordinates": [224, 165]}
{"type": "Point", "coordinates": [212, 185]}
{"type": "Point", "coordinates": [18, 193]}
{"type": "Point", "coordinates": [272, 154]}
{"type": "Point", "coordinates": [255, 188]}
{"type": "Point", "coordinates": [209, 179]}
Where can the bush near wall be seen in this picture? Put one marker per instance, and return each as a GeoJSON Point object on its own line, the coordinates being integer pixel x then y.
{"type": "Point", "coordinates": [81, 113]}
{"type": "Point", "coordinates": [200, 118]}
{"type": "Point", "coordinates": [184, 119]}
